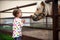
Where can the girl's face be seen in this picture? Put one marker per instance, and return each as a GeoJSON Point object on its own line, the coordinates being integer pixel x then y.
{"type": "Point", "coordinates": [19, 13]}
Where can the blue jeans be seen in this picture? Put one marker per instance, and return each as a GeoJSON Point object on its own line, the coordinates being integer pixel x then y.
{"type": "Point", "coordinates": [17, 38]}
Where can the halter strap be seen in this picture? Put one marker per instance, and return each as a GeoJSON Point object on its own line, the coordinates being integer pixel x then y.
{"type": "Point", "coordinates": [40, 14]}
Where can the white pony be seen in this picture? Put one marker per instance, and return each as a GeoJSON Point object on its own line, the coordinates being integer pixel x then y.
{"type": "Point", "coordinates": [43, 9]}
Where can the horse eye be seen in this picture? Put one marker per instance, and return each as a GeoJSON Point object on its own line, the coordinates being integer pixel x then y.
{"type": "Point", "coordinates": [37, 9]}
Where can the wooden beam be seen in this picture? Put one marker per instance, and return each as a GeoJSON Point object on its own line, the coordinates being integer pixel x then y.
{"type": "Point", "coordinates": [55, 19]}
{"type": "Point", "coordinates": [19, 7]}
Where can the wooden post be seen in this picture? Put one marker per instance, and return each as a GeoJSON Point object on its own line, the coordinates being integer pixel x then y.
{"type": "Point", "coordinates": [55, 19]}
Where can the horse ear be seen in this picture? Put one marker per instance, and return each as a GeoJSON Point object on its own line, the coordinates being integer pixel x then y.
{"type": "Point", "coordinates": [48, 1]}
{"type": "Point", "coordinates": [42, 3]}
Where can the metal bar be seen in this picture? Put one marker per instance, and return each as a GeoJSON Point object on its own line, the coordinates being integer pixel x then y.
{"type": "Point", "coordinates": [46, 22]}
{"type": "Point", "coordinates": [13, 17]}
{"type": "Point", "coordinates": [55, 19]}
{"type": "Point", "coordinates": [19, 7]}
{"type": "Point", "coordinates": [22, 12]}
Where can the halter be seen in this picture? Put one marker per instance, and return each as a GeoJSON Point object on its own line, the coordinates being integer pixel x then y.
{"type": "Point", "coordinates": [40, 14]}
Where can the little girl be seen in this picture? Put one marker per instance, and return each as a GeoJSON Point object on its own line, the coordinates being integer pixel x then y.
{"type": "Point", "coordinates": [17, 24]}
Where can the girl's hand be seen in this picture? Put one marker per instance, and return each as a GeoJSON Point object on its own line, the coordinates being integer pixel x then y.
{"type": "Point", "coordinates": [23, 21]}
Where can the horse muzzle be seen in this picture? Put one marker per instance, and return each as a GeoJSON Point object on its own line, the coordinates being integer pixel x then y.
{"type": "Point", "coordinates": [35, 18]}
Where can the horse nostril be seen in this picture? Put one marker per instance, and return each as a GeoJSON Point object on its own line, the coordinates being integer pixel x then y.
{"type": "Point", "coordinates": [31, 16]}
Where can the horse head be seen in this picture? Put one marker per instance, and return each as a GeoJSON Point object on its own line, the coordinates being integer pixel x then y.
{"type": "Point", "coordinates": [39, 13]}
